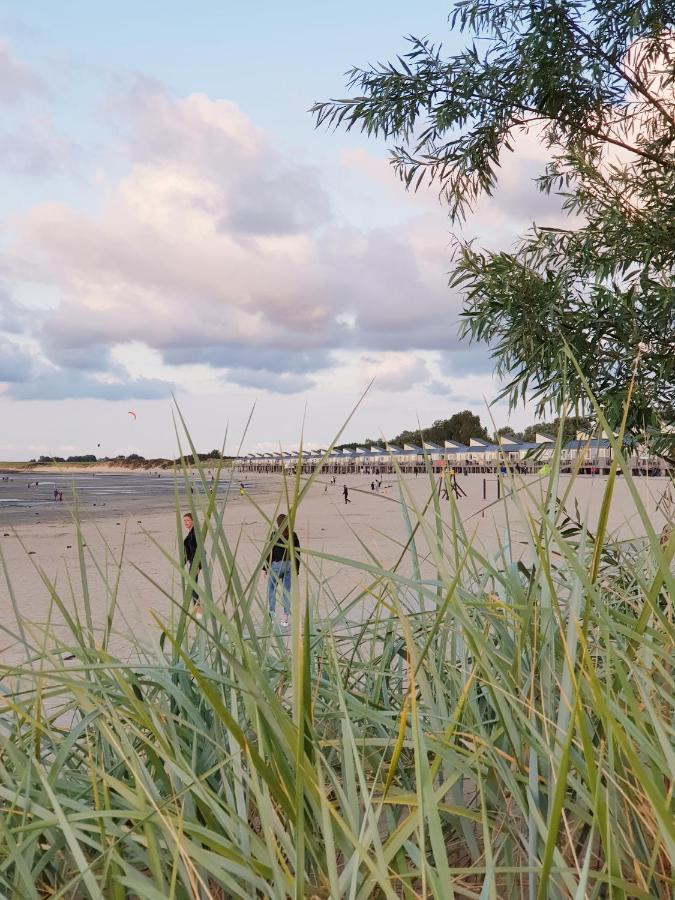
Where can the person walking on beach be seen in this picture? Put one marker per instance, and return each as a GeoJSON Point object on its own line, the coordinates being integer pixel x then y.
{"type": "Point", "coordinates": [56, 494]}
{"type": "Point", "coordinates": [60, 496]}
{"type": "Point", "coordinates": [278, 569]}
{"type": "Point", "coordinates": [345, 494]}
{"type": "Point", "coordinates": [372, 485]}
{"type": "Point", "coordinates": [189, 555]}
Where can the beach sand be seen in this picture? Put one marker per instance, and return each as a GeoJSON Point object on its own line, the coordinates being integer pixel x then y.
{"type": "Point", "coordinates": [138, 525]}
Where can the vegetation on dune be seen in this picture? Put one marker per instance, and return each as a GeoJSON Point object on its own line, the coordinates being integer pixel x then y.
{"type": "Point", "coordinates": [465, 726]}
{"type": "Point", "coordinates": [131, 461]}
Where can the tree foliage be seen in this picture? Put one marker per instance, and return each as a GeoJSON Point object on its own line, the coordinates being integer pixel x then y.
{"type": "Point", "coordinates": [570, 426]}
{"type": "Point", "coordinates": [597, 82]}
{"type": "Point", "coordinates": [461, 427]}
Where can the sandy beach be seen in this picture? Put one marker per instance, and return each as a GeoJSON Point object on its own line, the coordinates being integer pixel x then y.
{"type": "Point", "coordinates": [132, 518]}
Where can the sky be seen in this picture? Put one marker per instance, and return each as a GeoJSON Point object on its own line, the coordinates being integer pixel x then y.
{"type": "Point", "coordinates": [177, 236]}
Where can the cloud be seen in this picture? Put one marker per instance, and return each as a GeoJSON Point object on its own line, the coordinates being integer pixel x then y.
{"type": "Point", "coordinates": [471, 360]}
{"type": "Point", "coordinates": [92, 358]}
{"type": "Point", "coordinates": [274, 382]}
{"type": "Point", "coordinates": [35, 148]}
{"type": "Point", "coordinates": [65, 384]}
{"type": "Point", "coordinates": [288, 203]}
{"type": "Point", "coordinates": [444, 389]}
{"type": "Point", "coordinates": [12, 317]}
{"type": "Point", "coordinates": [216, 248]}
{"type": "Point", "coordinates": [16, 365]}
{"type": "Point", "coordinates": [16, 79]}
{"type": "Point", "coordinates": [271, 359]}
{"type": "Point", "coordinates": [395, 371]}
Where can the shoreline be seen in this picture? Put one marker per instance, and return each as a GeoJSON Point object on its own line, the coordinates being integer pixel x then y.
{"type": "Point", "coordinates": [140, 467]}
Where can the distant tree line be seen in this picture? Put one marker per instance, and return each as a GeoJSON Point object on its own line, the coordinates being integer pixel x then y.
{"type": "Point", "coordinates": [88, 457]}
{"type": "Point", "coordinates": [460, 427]}
{"type": "Point", "coordinates": [570, 427]}
{"type": "Point", "coordinates": [131, 457]}
{"type": "Point", "coordinates": [464, 425]}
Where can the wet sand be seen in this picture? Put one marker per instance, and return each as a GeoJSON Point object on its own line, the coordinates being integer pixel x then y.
{"type": "Point", "coordinates": [133, 517]}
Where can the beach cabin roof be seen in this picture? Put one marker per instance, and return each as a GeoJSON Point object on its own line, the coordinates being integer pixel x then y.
{"type": "Point", "coordinates": [413, 448]}
{"type": "Point", "coordinates": [453, 445]}
{"type": "Point", "coordinates": [361, 450]}
{"type": "Point", "coordinates": [484, 447]}
{"type": "Point", "coordinates": [519, 446]}
{"type": "Point", "coordinates": [428, 445]}
{"type": "Point", "coordinates": [477, 442]}
{"type": "Point", "coordinates": [591, 444]}
{"type": "Point", "coordinates": [392, 448]}
{"type": "Point", "coordinates": [543, 439]}
{"type": "Point", "coordinates": [379, 450]}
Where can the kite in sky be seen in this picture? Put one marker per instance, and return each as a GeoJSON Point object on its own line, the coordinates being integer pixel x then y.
{"type": "Point", "coordinates": [132, 413]}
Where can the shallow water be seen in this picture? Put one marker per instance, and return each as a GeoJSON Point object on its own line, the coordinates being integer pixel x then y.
{"type": "Point", "coordinates": [24, 492]}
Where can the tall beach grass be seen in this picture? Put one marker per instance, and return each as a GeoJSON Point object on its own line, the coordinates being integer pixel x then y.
{"type": "Point", "coordinates": [498, 727]}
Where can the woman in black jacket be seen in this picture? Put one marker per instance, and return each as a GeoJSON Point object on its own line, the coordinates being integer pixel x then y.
{"type": "Point", "coordinates": [189, 555]}
{"type": "Point", "coordinates": [278, 567]}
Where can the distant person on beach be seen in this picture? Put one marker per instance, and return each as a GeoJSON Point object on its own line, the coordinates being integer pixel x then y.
{"type": "Point", "coordinates": [60, 496]}
{"type": "Point", "coordinates": [345, 494]}
{"type": "Point", "coordinates": [189, 555]}
{"type": "Point", "coordinates": [278, 569]}
{"type": "Point", "coordinates": [372, 485]}
{"type": "Point", "coordinates": [56, 495]}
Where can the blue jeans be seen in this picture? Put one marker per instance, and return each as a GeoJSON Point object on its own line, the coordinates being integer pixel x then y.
{"type": "Point", "coordinates": [279, 571]}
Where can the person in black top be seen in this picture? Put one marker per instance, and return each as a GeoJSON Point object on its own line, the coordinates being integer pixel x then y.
{"type": "Point", "coordinates": [189, 554]}
{"type": "Point", "coordinates": [345, 494]}
{"type": "Point", "coordinates": [278, 567]}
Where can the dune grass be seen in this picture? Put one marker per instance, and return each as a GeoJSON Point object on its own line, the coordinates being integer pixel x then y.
{"type": "Point", "coordinates": [496, 728]}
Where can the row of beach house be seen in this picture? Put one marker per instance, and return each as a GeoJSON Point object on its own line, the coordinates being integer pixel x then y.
{"type": "Point", "coordinates": [585, 454]}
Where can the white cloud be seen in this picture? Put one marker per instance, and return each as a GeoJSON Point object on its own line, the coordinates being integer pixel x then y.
{"type": "Point", "coordinates": [34, 147]}
{"type": "Point", "coordinates": [215, 249]}
{"type": "Point", "coordinates": [395, 371]}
